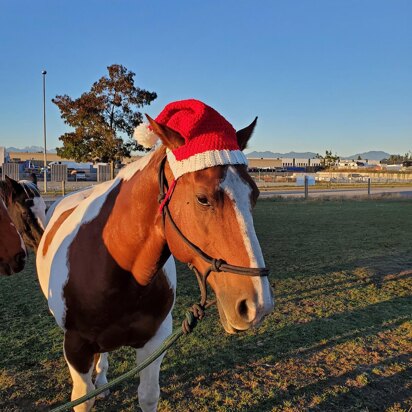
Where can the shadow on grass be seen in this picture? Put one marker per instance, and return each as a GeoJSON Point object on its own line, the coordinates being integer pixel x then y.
{"type": "Point", "coordinates": [297, 341]}
{"type": "Point", "coordinates": [374, 279]}
{"type": "Point", "coordinates": [374, 269]}
{"type": "Point", "coordinates": [239, 353]}
{"type": "Point", "coordinates": [345, 393]}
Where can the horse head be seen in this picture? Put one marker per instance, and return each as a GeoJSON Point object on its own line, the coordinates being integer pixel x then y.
{"type": "Point", "coordinates": [27, 210]}
{"type": "Point", "coordinates": [212, 207]}
{"type": "Point", "coordinates": [12, 250]}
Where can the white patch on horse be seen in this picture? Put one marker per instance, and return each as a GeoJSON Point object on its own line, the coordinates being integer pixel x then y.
{"type": "Point", "coordinates": [53, 269]}
{"type": "Point", "coordinates": [39, 210]}
{"type": "Point", "coordinates": [132, 168]}
{"type": "Point", "coordinates": [82, 384]}
{"type": "Point", "coordinates": [67, 202]}
{"type": "Point", "coordinates": [239, 192]}
{"type": "Point", "coordinates": [23, 245]}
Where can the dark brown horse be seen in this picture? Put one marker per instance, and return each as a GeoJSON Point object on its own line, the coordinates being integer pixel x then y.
{"type": "Point", "coordinates": [12, 249]}
{"type": "Point", "coordinates": [26, 208]}
{"type": "Point", "coordinates": [105, 265]}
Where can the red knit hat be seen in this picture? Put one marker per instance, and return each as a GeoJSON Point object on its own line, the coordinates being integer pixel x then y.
{"type": "Point", "coordinates": [210, 140]}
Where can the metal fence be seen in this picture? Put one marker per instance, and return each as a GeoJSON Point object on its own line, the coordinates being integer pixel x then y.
{"type": "Point", "coordinates": [11, 170]}
{"type": "Point", "coordinates": [58, 173]}
{"type": "Point", "coordinates": [103, 173]}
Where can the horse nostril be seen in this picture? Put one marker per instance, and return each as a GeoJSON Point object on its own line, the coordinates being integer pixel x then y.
{"type": "Point", "coordinates": [246, 309]}
{"type": "Point", "coordinates": [20, 258]}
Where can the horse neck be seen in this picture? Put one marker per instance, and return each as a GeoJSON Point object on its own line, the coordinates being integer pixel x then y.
{"type": "Point", "coordinates": [134, 234]}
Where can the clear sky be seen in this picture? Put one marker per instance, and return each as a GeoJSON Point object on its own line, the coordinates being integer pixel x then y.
{"type": "Point", "coordinates": [320, 74]}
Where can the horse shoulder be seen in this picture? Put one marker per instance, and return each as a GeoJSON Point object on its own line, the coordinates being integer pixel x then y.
{"type": "Point", "coordinates": [64, 221]}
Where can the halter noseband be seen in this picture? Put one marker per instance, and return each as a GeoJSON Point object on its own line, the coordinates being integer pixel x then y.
{"type": "Point", "coordinates": [215, 265]}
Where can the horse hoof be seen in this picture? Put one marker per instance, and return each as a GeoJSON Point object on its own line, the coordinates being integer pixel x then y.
{"type": "Point", "coordinates": [103, 395]}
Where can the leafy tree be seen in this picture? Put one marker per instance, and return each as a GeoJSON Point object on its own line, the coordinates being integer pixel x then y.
{"type": "Point", "coordinates": [328, 160]}
{"type": "Point", "coordinates": [397, 159]}
{"type": "Point", "coordinates": [102, 116]}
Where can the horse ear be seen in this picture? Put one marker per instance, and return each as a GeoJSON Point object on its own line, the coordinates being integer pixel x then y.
{"type": "Point", "coordinates": [14, 186]}
{"type": "Point", "coordinates": [170, 138]}
{"type": "Point", "coordinates": [245, 134]}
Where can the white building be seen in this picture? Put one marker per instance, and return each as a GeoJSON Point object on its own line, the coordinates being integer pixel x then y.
{"type": "Point", "coordinates": [2, 155]}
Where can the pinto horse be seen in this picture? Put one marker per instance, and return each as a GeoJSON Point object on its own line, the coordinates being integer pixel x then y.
{"type": "Point", "coordinates": [12, 249]}
{"type": "Point", "coordinates": [105, 265]}
{"type": "Point", "coordinates": [26, 208]}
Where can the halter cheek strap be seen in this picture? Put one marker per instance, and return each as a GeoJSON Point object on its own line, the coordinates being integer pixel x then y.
{"type": "Point", "coordinates": [167, 196]}
{"type": "Point", "coordinates": [215, 265]}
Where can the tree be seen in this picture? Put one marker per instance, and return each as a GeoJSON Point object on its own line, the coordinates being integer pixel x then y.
{"type": "Point", "coordinates": [396, 159]}
{"type": "Point", "coordinates": [328, 160]}
{"type": "Point", "coordinates": [101, 118]}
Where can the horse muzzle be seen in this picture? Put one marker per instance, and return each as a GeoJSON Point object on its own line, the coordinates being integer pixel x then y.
{"type": "Point", "coordinates": [246, 314]}
{"type": "Point", "coordinates": [14, 266]}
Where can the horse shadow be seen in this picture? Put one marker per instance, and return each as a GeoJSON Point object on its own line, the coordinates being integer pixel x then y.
{"type": "Point", "coordinates": [301, 340]}
{"type": "Point", "coordinates": [376, 395]}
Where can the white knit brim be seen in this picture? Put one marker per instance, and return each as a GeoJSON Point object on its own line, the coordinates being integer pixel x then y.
{"type": "Point", "coordinates": [204, 160]}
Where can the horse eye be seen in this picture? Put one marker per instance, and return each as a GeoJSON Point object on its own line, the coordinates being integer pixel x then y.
{"type": "Point", "coordinates": [202, 200]}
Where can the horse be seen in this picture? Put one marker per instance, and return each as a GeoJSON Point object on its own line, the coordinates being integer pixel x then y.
{"type": "Point", "coordinates": [105, 262]}
{"type": "Point", "coordinates": [12, 249]}
{"type": "Point", "coordinates": [26, 208]}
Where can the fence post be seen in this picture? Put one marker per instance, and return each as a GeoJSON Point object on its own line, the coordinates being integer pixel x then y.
{"type": "Point", "coordinates": [369, 186]}
{"type": "Point", "coordinates": [306, 187]}
{"type": "Point", "coordinates": [63, 187]}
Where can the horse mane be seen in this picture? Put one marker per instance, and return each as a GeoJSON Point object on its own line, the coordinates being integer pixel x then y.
{"type": "Point", "coordinates": [5, 192]}
{"type": "Point", "coordinates": [30, 188]}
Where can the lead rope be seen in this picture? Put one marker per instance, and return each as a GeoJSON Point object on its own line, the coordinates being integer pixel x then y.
{"type": "Point", "coordinates": [192, 316]}
{"type": "Point", "coordinates": [195, 313]}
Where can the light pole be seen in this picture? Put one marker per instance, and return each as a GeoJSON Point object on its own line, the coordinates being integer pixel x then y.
{"type": "Point", "coordinates": [44, 131]}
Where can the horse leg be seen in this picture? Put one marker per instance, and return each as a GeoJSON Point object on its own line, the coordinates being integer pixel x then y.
{"type": "Point", "coordinates": [102, 365]}
{"type": "Point", "coordinates": [79, 358]}
{"type": "Point", "coordinates": [149, 389]}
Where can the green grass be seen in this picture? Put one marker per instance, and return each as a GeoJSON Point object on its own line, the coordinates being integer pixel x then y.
{"type": "Point", "coordinates": [340, 338]}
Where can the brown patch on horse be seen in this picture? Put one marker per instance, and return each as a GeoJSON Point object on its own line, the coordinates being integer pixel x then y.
{"type": "Point", "coordinates": [12, 255]}
{"type": "Point", "coordinates": [106, 307]}
{"type": "Point", "coordinates": [140, 250]}
{"type": "Point", "coordinates": [55, 228]}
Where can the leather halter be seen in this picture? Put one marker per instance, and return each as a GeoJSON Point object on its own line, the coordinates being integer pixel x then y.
{"type": "Point", "coordinates": [215, 265]}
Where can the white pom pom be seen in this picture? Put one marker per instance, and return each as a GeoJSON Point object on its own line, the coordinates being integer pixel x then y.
{"type": "Point", "coordinates": [144, 136]}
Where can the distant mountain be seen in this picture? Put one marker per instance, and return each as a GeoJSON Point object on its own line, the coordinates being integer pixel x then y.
{"type": "Point", "coordinates": [271, 155]}
{"type": "Point", "coordinates": [371, 155]}
{"type": "Point", "coordinates": [32, 149]}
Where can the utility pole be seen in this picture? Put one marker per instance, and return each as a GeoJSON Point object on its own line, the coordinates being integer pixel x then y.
{"type": "Point", "coordinates": [44, 131]}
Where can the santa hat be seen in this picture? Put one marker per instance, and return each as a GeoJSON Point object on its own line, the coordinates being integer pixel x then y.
{"type": "Point", "coordinates": [210, 140]}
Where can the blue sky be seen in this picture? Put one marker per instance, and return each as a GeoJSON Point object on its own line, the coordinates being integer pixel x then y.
{"type": "Point", "coordinates": [320, 74]}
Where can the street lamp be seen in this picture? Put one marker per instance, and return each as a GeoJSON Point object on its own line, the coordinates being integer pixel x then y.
{"type": "Point", "coordinates": [44, 131]}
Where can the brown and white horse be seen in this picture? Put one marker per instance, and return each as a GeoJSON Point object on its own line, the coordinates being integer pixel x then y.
{"type": "Point", "coordinates": [105, 265]}
{"type": "Point", "coordinates": [26, 208]}
{"type": "Point", "coordinates": [12, 249]}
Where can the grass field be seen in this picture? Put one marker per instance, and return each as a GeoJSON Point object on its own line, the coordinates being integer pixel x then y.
{"type": "Point", "coordinates": [340, 338]}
